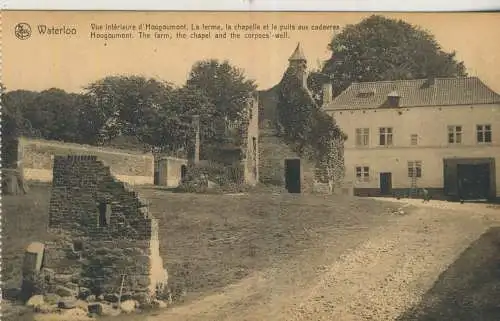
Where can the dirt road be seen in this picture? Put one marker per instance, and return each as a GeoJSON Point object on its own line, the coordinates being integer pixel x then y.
{"type": "Point", "coordinates": [358, 274]}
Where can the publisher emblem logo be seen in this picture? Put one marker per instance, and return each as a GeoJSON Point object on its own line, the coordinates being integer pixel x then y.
{"type": "Point", "coordinates": [22, 31]}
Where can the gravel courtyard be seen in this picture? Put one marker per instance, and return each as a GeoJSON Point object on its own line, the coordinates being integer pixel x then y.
{"type": "Point", "coordinates": [284, 257]}
{"type": "Point", "coordinates": [437, 261]}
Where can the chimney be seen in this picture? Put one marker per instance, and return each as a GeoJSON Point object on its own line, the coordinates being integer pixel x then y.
{"type": "Point", "coordinates": [327, 93]}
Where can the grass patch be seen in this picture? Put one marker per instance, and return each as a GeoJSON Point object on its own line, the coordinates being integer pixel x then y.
{"type": "Point", "coordinates": [210, 241]}
{"type": "Point", "coordinates": [207, 241]}
{"type": "Point", "coordinates": [24, 220]}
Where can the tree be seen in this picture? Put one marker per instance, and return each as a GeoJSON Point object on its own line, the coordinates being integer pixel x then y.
{"type": "Point", "coordinates": [226, 87]}
{"type": "Point", "coordinates": [54, 113]}
{"type": "Point", "coordinates": [155, 113]}
{"type": "Point", "coordinates": [379, 48]}
{"type": "Point", "coordinates": [125, 105]}
{"type": "Point", "coordinates": [14, 122]}
{"type": "Point", "coordinates": [91, 120]}
{"type": "Point", "coordinates": [170, 127]}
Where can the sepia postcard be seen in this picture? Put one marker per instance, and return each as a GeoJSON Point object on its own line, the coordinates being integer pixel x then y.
{"type": "Point", "coordinates": [258, 166]}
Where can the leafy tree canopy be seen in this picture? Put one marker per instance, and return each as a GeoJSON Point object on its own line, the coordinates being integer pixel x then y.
{"type": "Point", "coordinates": [225, 85]}
{"type": "Point", "coordinates": [122, 104]}
{"type": "Point", "coordinates": [50, 114]}
{"type": "Point", "coordinates": [379, 48]}
{"type": "Point", "coordinates": [122, 108]}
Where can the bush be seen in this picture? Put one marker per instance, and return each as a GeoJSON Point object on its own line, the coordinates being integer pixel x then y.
{"type": "Point", "coordinates": [226, 179]}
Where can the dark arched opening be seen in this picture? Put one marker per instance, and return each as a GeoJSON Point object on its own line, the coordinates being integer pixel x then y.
{"type": "Point", "coordinates": [183, 172]}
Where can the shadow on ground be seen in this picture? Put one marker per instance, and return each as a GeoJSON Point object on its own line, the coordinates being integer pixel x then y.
{"type": "Point", "coordinates": [469, 289]}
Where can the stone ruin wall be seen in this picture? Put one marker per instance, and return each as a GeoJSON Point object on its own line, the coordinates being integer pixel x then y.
{"type": "Point", "coordinates": [101, 231]}
{"type": "Point", "coordinates": [251, 160]}
{"type": "Point", "coordinates": [36, 157]}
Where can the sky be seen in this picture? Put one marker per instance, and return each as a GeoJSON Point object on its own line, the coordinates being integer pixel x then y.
{"type": "Point", "coordinates": [72, 61]}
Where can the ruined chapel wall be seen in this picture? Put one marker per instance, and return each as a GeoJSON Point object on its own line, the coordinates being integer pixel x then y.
{"type": "Point", "coordinates": [251, 170]}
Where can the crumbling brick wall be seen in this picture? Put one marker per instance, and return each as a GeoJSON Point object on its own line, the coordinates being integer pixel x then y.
{"type": "Point", "coordinates": [104, 229]}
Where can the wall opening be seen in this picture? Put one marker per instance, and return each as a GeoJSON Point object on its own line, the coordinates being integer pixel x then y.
{"type": "Point", "coordinates": [183, 172]}
{"type": "Point", "coordinates": [469, 178]}
{"type": "Point", "coordinates": [293, 175]}
{"type": "Point", "coordinates": [385, 183]}
{"type": "Point", "coordinates": [156, 178]}
{"type": "Point", "coordinates": [473, 181]}
{"type": "Point", "coordinates": [77, 246]}
{"type": "Point", "coordinates": [104, 214]}
{"type": "Point", "coordinates": [393, 99]}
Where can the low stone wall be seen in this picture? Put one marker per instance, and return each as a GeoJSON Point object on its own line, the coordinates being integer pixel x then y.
{"type": "Point", "coordinates": [169, 171]}
{"type": "Point", "coordinates": [35, 159]}
{"type": "Point", "coordinates": [435, 193]}
{"type": "Point", "coordinates": [103, 231]}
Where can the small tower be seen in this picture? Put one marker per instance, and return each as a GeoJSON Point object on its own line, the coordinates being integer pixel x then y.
{"type": "Point", "coordinates": [298, 62]}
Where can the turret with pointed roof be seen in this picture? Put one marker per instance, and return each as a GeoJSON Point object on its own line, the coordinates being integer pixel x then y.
{"type": "Point", "coordinates": [298, 54]}
{"type": "Point", "coordinates": [298, 63]}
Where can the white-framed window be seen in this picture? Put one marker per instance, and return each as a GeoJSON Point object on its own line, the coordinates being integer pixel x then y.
{"type": "Point", "coordinates": [414, 139]}
{"type": "Point", "coordinates": [362, 173]}
{"type": "Point", "coordinates": [483, 133]}
{"type": "Point", "coordinates": [362, 136]}
{"type": "Point", "coordinates": [415, 169]}
{"type": "Point", "coordinates": [454, 134]}
{"type": "Point", "coordinates": [385, 136]}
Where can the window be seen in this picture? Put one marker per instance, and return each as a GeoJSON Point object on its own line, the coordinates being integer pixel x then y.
{"type": "Point", "coordinates": [362, 136]}
{"type": "Point", "coordinates": [455, 134]}
{"type": "Point", "coordinates": [104, 214]}
{"type": "Point", "coordinates": [77, 246]}
{"type": "Point", "coordinates": [362, 173]}
{"type": "Point", "coordinates": [483, 133]}
{"type": "Point", "coordinates": [415, 169]}
{"type": "Point", "coordinates": [414, 139]}
{"type": "Point", "coordinates": [385, 134]}
{"type": "Point", "coordinates": [366, 93]}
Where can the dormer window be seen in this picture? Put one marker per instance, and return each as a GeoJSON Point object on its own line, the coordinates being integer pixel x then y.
{"type": "Point", "coordinates": [366, 93]}
{"type": "Point", "coordinates": [393, 99]}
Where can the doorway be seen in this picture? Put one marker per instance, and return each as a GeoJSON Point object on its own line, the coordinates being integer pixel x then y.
{"type": "Point", "coordinates": [183, 172]}
{"type": "Point", "coordinates": [473, 181]}
{"type": "Point", "coordinates": [157, 178]}
{"type": "Point", "coordinates": [385, 183]}
{"type": "Point", "coordinates": [292, 175]}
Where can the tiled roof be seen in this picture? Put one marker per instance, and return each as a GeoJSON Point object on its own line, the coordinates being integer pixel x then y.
{"type": "Point", "coordinates": [413, 93]}
{"type": "Point", "coordinates": [298, 54]}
